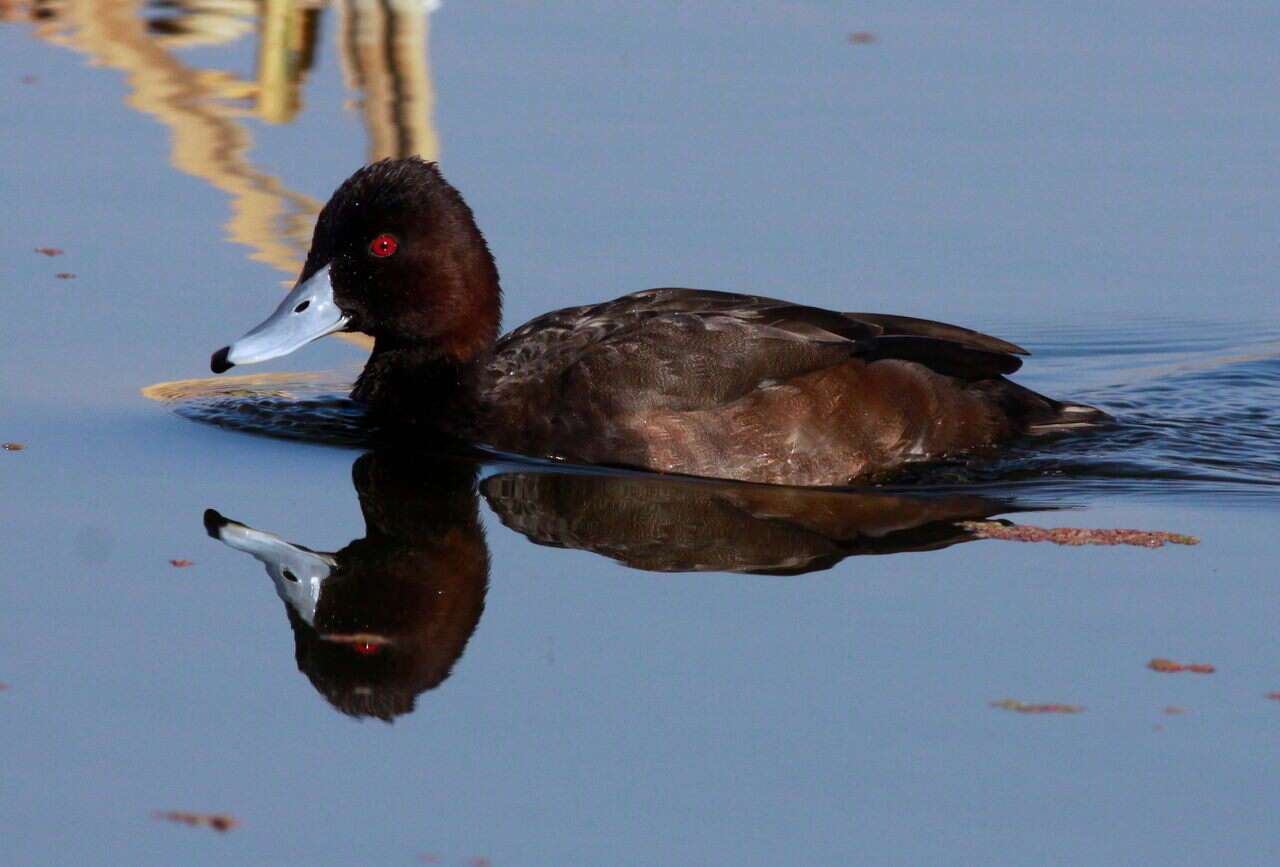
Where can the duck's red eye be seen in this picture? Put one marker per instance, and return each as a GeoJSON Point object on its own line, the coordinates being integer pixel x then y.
{"type": "Point", "coordinates": [367, 648]}
{"type": "Point", "coordinates": [383, 246]}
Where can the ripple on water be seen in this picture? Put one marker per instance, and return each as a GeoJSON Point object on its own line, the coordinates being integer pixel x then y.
{"type": "Point", "coordinates": [310, 407]}
{"type": "Point", "coordinates": [1194, 414]}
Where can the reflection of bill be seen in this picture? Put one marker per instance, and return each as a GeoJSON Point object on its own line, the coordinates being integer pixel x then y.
{"type": "Point", "coordinates": [385, 618]}
{"type": "Point", "coordinates": [383, 51]}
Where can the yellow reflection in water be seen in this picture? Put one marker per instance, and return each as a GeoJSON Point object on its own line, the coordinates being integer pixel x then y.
{"type": "Point", "coordinates": [382, 47]}
{"type": "Point", "coordinates": [384, 56]}
{"type": "Point", "coordinates": [285, 385]}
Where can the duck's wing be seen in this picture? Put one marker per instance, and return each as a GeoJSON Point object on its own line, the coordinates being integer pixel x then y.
{"type": "Point", "coordinates": [947, 349]}
{"type": "Point", "coordinates": [759, 307]}
{"type": "Point", "coordinates": [600, 320]}
{"type": "Point", "coordinates": [910, 326]}
{"type": "Point", "coordinates": [746, 387]}
{"type": "Point", "coordinates": [775, 337]}
{"type": "Point", "coordinates": [685, 348]}
{"type": "Point", "coordinates": [625, 360]}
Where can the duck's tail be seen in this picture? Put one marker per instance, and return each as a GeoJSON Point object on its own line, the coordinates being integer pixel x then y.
{"type": "Point", "coordinates": [1033, 413]}
{"type": "Point", "coordinates": [1068, 417]}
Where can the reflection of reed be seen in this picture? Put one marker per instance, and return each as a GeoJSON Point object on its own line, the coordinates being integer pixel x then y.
{"type": "Point", "coordinates": [203, 22]}
{"type": "Point", "coordinates": [383, 49]}
{"type": "Point", "coordinates": [208, 140]}
{"type": "Point", "coordinates": [284, 385]}
{"type": "Point", "coordinates": [286, 51]}
{"type": "Point", "coordinates": [384, 54]}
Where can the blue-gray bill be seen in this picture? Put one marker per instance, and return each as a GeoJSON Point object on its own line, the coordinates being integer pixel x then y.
{"type": "Point", "coordinates": [307, 313]}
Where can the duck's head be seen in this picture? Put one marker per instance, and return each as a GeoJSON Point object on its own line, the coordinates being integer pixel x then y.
{"type": "Point", "coordinates": [397, 255]}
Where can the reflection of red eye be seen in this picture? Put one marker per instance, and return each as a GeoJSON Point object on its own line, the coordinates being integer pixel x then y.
{"type": "Point", "coordinates": [367, 648]}
{"type": "Point", "coordinates": [383, 246]}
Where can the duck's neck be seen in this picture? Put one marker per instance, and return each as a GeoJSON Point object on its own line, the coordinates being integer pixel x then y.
{"type": "Point", "coordinates": [417, 385]}
{"type": "Point", "coordinates": [436, 329]}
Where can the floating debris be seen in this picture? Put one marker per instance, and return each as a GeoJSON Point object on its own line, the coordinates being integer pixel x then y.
{"type": "Point", "coordinates": [3, 687]}
{"type": "Point", "coordinates": [65, 275]}
{"type": "Point", "coordinates": [1168, 666]}
{"type": "Point", "coordinates": [181, 563]}
{"type": "Point", "coordinates": [1076, 535]}
{"type": "Point", "coordinates": [437, 858]}
{"type": "Point", "coordinates": [862, 37]}
{"type": "Point", "coordinates": [49, 251]}
{"type": "Point", "coordinates": [1023, 707]}
{"type": "Point", "coordinates": [216, 821]}
{"type": "Point", "coordinates": [12, 447]}
{"type": "Point", "coordinates": [1173, 709]}
{"type": "Point", "coordinates": [29, 79]}
{"type": "Point", "coordinates": [1274, 696]}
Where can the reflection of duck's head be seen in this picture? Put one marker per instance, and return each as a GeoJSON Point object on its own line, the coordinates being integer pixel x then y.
{"type": "Point", "coordinates": [385, 618]}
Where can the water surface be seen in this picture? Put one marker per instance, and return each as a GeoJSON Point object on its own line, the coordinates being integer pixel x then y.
{"type": "Point", "coordinates": [617, 669]}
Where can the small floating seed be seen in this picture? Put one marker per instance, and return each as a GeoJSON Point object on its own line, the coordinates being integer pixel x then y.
{"type": "Point", "coordinates": [216, 821]}
{"type": "Point", "coordinates": [1168, 666]}
{"type": "Point", "coordinates": [1023, 707]}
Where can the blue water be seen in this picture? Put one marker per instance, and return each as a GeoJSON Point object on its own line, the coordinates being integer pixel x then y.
{"type": "Point", "coordinates": [661, 672]}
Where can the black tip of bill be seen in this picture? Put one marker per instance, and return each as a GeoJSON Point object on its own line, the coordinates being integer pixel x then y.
{"type": "Point", "coordinates": [213, 522]}
{"type": "Point", "coordinates": [219, 363]}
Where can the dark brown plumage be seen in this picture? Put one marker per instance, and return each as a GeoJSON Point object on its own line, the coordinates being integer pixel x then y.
{"type": "Point", "coordinates": [671, 380]}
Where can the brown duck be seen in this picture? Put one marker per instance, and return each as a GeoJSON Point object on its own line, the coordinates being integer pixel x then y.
{"type": "Point", "coordinates": [669, 380]}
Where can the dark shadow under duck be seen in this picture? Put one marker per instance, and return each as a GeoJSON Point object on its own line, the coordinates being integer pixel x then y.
{"type": "Point", "coordinates": [669, 380]}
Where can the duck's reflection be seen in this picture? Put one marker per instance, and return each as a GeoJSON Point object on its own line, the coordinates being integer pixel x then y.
{"type": "Point", "coordinates": [387, 617]}
{"type": "Point", "coordinates": [669, 525]}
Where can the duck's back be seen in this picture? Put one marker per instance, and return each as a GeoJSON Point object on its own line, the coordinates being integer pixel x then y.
{"type": "Point", "coordinates": [744, 387]}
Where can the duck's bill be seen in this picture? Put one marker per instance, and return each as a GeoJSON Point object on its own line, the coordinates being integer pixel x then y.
{"type": "Point", "coordinates": [307, 313]}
